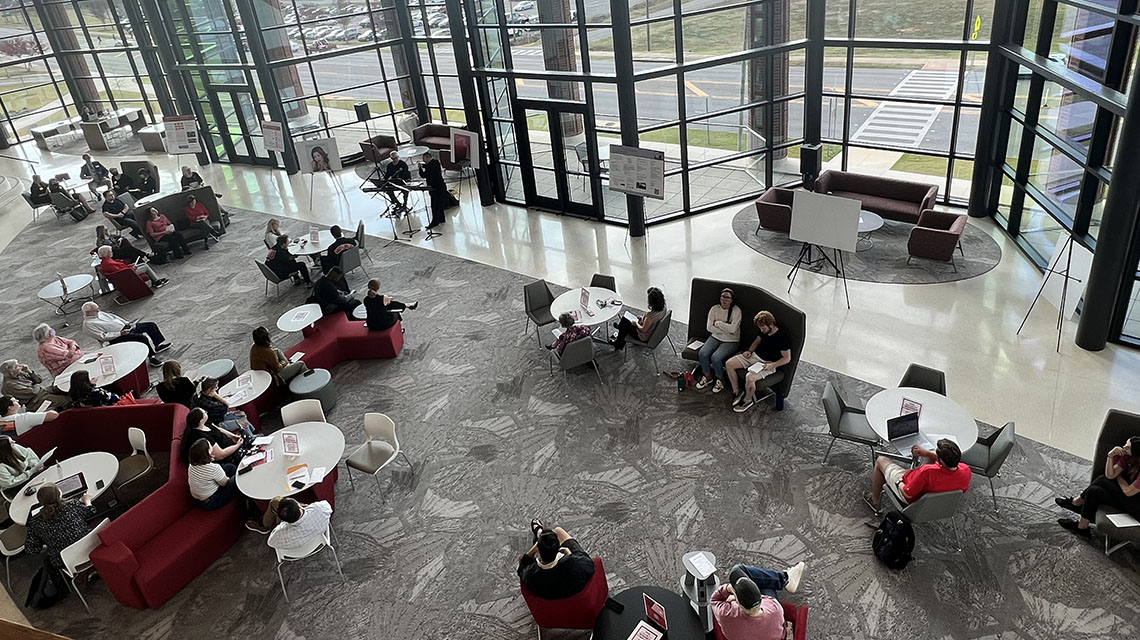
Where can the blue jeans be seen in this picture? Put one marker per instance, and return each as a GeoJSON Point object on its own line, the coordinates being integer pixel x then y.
{"type": "Point", "coordinates": [767, 580]}
{"type": "Point", "coordinates": [713, 355]}
{"type": "Point", "coordinates": [225, 493]}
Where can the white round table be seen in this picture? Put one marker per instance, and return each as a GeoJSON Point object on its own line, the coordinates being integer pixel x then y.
{"type": "Point", "coordinates": [146, 201]}
{"type": "Point", "coordinates": [322, 445]}
{"type": "Point", "coordinates": [66, 292]}
{"type": "Point", "coordinates": [869, 222]}
{"type": "Point", "coordinates": [299, 317]}
{"type": "Point", "coordinates": [304, 245]}
{"type": "Point", "coordinates": [98, 468]}
{"type": "Point", "coordinates": [571, 301]}
{"type": "Point", "coordinates": [410, 152]}
{"type": "Point", "coordinates": [939, 415]}
{"type": "Point", "coordinates": [126, 356]}
{"type": "Point", "coordinates": [242, 390]}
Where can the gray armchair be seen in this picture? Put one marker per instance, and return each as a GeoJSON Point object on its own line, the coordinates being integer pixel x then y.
{"type": "Point", "coordinates": [1117, 428]}
{"type": "Point", "coordinates": [350, 261]}
{"type": "Point", "coordinates": [846, 423]}
{"type": "Point", "coordinates": [990, 452]}
{"type": "Point", "coordinates": [575, 354]}
{"type": "Point", "coordinates": [921, 377]}
{"type": "Point", "coordinates": [660, 332]}
{"type": "Point", "coordinates": [536, 300]}
{"type": "Point", "coordinates": [270, 276]}
{"type": "Point", "coordinates": [27, 195]}
{"type": "Point", "coordinates": [928, 508]}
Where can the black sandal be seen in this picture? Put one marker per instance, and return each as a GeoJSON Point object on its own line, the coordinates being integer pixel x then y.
{"type": "Point", "coordinates": [1066, 502]}
{"type": "Point", "coordinates": [535, 528]}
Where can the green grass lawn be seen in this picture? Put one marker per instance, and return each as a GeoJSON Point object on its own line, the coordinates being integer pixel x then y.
{"type": "Point", "coordinates": [929, 166]}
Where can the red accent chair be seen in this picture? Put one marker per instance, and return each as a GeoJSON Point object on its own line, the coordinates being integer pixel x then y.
{"type": "Point", "coordinates": [377, 148]}
{"type": "Point", "coordinates": [130, 285]}
{"type": "Point", "coordinates": [936, 236]}
{"type": "Point", "coordinates": [579, 611]}
{"type": "Point", "coordinates": [797, 615]}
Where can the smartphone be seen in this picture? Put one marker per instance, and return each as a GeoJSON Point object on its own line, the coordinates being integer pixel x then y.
{"type": "Point", "coordinates": [99, 484]}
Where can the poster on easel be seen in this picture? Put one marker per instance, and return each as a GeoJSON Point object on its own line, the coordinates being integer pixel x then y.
{"type": "Point", "coordinates": [318, 155]}
{"type": "Point", "coordinates": [181, 135]}
{"type": "Point", "coordinates": [637, 172]}
{"type": "Point", "coordinates": [273, 135]}
{"type": "Point", "coordinates": [465, 147]}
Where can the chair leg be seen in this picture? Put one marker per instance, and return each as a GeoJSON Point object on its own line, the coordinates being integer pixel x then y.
{"type": "Point", "coordinates": [957, 540]}
{"type": "Point", "coordinates": [266, 287]}
{"type": "Point", "coordinates": [75, 588]}
{"type": "Point", "coordinates": [671, 344]}
{"type": "Point", "coordinates": [952, 264]}
{"type": "Point", "coordinates": [409, 462]}
{"type": "Point", "coordinates": [282, 579]}
{"type": "Point", "coordinates": [993, 494]}
{"type": "Point", "coordinates": [908, 259]}
{"type": "Point", "coordinates": [960, 249]}
{"type": "Point", "coordinates": [8, 570]}
{"type": "Point", "coordinates": [597, 370]}
{"type": "Point", "coordinates": [527, 326]}
{"type": "Point", "coordinates": [337, 561]}
{"type": "Point", "coordinates": [550, 362]}
{"type": "Point", "coordinates": [656, 368]}
{"type": "Point", "coordinates": [828, 453]}
{"type": "Point", "coordinates": [1109, 550]}
{"type": "Point", "coordinates": [537, 335]}
{"type": "Point", "coordinates": [383, 498]}
{"type": "Point", "coordinates": [348, 472]}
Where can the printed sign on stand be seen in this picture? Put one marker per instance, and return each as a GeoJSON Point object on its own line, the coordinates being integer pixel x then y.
{"type": "Point", "coordinates": [274, 136]}
{"type": "Point", "coordinates": [638, 172]}
{"type": "Point", "coordinates": [181, 135]}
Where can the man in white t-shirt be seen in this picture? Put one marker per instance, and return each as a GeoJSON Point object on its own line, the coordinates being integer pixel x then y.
{"type": "Point", "coordinates": [14, 423]}
{"type": "Point", "coordinates": [300, 524]}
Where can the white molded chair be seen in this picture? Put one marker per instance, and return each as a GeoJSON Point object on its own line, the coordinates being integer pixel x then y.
{"type": "Point", "coordinates": [381, 448]}
{"type": "Point", "coordinates": [136, 465]}
{"type": "Point", "coordinates": [77, 557]}
{"type": "Point", "coordinates": [293, 555]}
{"type": "Point", "coordinates": [307, 410]}
{"type": "Point", "coordinates": [11, 541]}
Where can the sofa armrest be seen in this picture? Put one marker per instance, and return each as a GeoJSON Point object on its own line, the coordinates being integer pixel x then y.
{"type": "Point", "coordinates": [929, 200]}
{"type": "Point", "coordinates": [116, 565]}
{"type": "Point", "coordinates": [823, 182]}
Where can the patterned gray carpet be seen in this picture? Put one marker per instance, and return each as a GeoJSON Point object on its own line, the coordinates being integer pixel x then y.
{"type": "Point", "coordinates": [884, 262]}
{"type": "Point", "coordinates": [640, 473]}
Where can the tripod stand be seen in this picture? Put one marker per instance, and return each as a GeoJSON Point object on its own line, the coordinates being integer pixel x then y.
{"type": "Point", "coordinates": [1067, 252]}
{"type": "Point", "coordinates": [815, 264]}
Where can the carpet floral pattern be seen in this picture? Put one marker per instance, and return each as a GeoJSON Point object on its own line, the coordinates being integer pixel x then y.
{"type": "Point", "coordinates": [638, 472]}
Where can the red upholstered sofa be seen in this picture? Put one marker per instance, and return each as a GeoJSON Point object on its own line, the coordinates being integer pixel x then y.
{"type": "Point", "coordinates": [161, 544]}
{"type": "Point", "coordinates": [334, 339]}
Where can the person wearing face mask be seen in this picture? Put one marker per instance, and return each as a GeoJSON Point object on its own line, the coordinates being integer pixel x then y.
{"type": "Point", "coordinates": [770, 350]}
{"type": "Point", "coordinates": [54, 352]}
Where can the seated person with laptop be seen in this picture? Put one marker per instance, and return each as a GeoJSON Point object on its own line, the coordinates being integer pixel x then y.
{"type": "Point", "coordinates": [60, 521]}
{"type": "Point", "coordinates": [941, 472]}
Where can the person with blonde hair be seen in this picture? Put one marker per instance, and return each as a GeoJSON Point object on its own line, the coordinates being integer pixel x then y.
{"type": "Point", "coordinates": [109, 265]}
{"type": "Point", "coordinates": [54, 352]}
{"type": "Point", "coordinates": [770, 350]}
{"type": "Point", "coordinates": [175, 388]}
{"type": "Point", "coordinates": [383, 311]}
{"type": "Point", "coordinates": [272, 230]}
{"type": "Point", "coordinates": [58, 524]}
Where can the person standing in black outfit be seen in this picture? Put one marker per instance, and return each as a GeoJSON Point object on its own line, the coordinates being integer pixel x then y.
{"type": "Point", "coordinates": [396, 173]}
{"type": "Point", "coordinates": [383, 311]}
{"type": "Point", "coordinates": [333, 294]}
{"type": "Point", "coordinates": [556, 567]}
{"type": "Point", "coordinates": [432, 171]}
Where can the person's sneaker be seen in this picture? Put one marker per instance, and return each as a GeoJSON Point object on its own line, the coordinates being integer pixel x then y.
{"type": "Point", "coordinates": [414, 305]}
{"type": "Point", "coordinates": [162, 347]}
{"type": "Point", "coordinates": [795, 574]}
{"type": "Point", "coordinates": [154, 361]}
{"type": "Point", "coordinates": [1074, 526]}
{"type": "Point", "coordinates": [256, 527]}
{"type": "Point", "coordinates": [737, 398]}
{"type": "Point", "coordinates": [877, 510]}
{"type": "Point", "coordinates": [718, 386]}
{"type": "Point", "coordinates": [702, 383]}
{"type": "Point", "coordinates": [206, 245]}
{"type": "Point", "coordinates": [743, 406]}
{"type": "Point", "coordinates": [161, 282]}
{"type": "Point", "coordinates": [1067, 503]}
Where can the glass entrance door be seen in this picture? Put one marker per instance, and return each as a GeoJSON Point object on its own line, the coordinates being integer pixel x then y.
{"type": "Point", "coordinates": [237, 135]}
{"type": "Point", "coordinates": [557, 148]}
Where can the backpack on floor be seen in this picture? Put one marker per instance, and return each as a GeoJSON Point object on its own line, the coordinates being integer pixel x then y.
{"type": "Point", "coordinates": [685, 380]}
{"type": "Point", "coordinates": [893, 541]}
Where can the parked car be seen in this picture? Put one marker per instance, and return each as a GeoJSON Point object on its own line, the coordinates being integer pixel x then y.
{"type": "Point", "coordinates": [294, 46]}
{"type": "Point", "coordinates": [364, 36]}
{"type": "Point", "coordinates": [526, 5]}
{"type": "Point", "coordinates": [438, 20]}
{"type": "Point", "coordinates": [322, 45]}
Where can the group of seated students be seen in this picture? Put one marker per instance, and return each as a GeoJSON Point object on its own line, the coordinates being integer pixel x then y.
{"type": "Point", "coordinates": [285, 265]}
{"type": "Point", "coordinates": [745, 608]}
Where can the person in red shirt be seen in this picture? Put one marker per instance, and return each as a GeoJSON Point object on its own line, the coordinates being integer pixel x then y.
{"type": "Point", "coordinates": [109, 265]}
{"type": "Point", "coordinates": [1119, 487]}
{"type": "Point", "coordinates": [941, 473]}
{"type": "Point", "coordinates": [161, 229]}
{"type": "Point", "coordinates": [199, 217]}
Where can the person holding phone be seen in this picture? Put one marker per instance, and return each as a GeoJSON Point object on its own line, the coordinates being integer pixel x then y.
{"type": "Point", "coordinates": [109, 328]}
{"type": "Point", "coordinates": [161, 229]}
{"type": "Point", "coordinates": [58, 524]}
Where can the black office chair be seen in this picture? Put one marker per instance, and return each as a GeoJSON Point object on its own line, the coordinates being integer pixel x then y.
{"type": "Point", "coordinates": [922, 377]}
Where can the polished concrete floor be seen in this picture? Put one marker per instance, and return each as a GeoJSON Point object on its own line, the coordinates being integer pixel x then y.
{"type": "Point", "coordinates": [967, 328]}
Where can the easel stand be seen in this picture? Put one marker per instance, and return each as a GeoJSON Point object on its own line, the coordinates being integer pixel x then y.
{"type": "Point", "coordinates": [337, 187]}
{"type": "Point", "coordinates": [835, 260]}
{"type": "Point", "coordinates": [1050, 272]}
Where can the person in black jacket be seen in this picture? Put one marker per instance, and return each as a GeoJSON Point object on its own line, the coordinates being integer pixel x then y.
{"type": "Point", "coordinates": [38, 191]}
{"type": "Point", "coordinates": [147, 184]}
{"type": "Point", "coordinates": [333, 294]}
{"type": "Point", "coordinates": [175, 387]}
{"type": "Point", "coordinates": [85, 394]}
{"type": "Point", "coordinates": [556, 567]}
{"type": "Point", "coordinates": [383, 311]}
{"type": "Point", "coordinates": [397, 172]}
{"type": "Point", "coordinates": [441, 200]}
{"type": "Point", "coordinates": [282, 262]}
{"type": "Point", "coordinates": [339, 244]}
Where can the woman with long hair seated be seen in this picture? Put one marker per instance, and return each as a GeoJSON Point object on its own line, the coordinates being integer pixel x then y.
{"type": "Point", "coordinates": [85, 394]}
{"type": "Point", "coordinates": [644, 325]}
{"type": "Point", "coordinates": [263, 356]}
{"type": "Point", "coordinates": [1119, 487]}
{"type": "Point", "coordinates": [212, 485]}
{"type": "Point", "coordinates": [383, 311]}
{"type": "Point", "coordinates": [218, 409]}
{"type": "Point", "coordinates": [17, 463]}
{"type": "Point", "coordinates": [121, 249]}
{"type": "Point", "coordinates": [58, 524]}
{"type": "Point", "coordinates": [224, 444]}
{"type": "Point", "coordinates": [175, 387]}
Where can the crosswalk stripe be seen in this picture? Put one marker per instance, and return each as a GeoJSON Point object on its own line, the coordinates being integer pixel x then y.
{"type": "Point", "coordinates": [905, 124]}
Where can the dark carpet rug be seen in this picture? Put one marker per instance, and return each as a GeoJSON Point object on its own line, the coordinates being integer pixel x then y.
{"type": "Point", "coordinates": [638, 472]}
{"type": "Point", "coordinates": [885, 262]}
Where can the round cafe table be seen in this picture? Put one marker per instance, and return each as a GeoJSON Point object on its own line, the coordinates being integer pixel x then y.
{"type": "Point", "coordinates": [571, 301]}
{"type": "Point", "coordinates": [130, 372]}
{"type": "Point", "coordinates": [243, 392]}
{"type": "Point", "coordinates": [73, 289]}
{"type": "Point", "coordinates": [869, 222]}
{"type": "Point", "coordinates": [682, 618]}
{"type": "Point", "coordinates": [411, 152]}
{"type": "Point", "coordinates": [939, 416]}
{"type": "Point", "coordinates": [99, 469]}
{"type": "Point", "coordinates": [299, 317]}
{"type": "Point", "coordinates": [303, 245]}
{"type": "Point", "coordinates": [322, 445]}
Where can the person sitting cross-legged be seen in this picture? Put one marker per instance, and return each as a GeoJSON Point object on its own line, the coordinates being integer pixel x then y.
{"type": "Point", "coordinates": [771, 349]}
{"type": "Point", "coordinates": [333, 294]}
{"type": "Point", "coordinates": [1118, 487]}
{"type": "Point", "coordinates": [556, 567]}
{"type": "Point", "coordinates": [112, 329]}
{"type": "Point", "coordinates": [942, 472]}
{"type": "Point", "coordinates": [747, 607]}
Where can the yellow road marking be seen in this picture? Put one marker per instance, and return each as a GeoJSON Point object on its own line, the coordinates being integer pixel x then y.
{"type": "Point", "coordinates": [695, 89]}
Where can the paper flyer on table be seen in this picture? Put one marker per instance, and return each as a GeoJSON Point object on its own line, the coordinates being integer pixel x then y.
{"type": "Point", "coordinates": [1123, 520]}
{"type": "Point", "coordinates": [644, 632]}
{"type": "Point", "coordinates": [262, 441]}
{"type": "Point", "coordinates": [290, 443]}
{"type": "Point", "coordinates": [298, 475]}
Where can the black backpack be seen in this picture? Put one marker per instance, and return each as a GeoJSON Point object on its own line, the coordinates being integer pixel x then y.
{"type": "Point", "coordinates": [893, 541]}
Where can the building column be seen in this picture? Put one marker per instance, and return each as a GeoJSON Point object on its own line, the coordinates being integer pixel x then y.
{"type": "Point", "coordinates": [470, 103]}
{"type": "Point", "coordinates": [1000, 82]}
{"type": "Point", "coordinates": [412, 92]}
{"type": "Point", "coordinates": [627, 104]}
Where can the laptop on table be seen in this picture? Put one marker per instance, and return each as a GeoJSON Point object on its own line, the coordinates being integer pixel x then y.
{"type": "Point", "coordinates": [902, 432]}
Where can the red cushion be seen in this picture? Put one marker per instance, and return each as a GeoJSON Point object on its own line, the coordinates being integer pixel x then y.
{"type": "Point", "coordinates": [358, 342]}
{"type": "Point", "coordinates": [579, 611]}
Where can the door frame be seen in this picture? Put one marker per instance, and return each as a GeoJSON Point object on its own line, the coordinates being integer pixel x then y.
{"type": "Point", "coordinates": [562, 203]}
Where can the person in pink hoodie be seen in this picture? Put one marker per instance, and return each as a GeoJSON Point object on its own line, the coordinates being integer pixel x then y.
{"type": "Point", "coordinates": [55, 353]}
{"type": "Point", "coordinates": [746, 608]}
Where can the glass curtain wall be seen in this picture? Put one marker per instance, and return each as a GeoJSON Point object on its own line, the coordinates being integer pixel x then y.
{"type": "Point", "coordinates": [1062, 102]}
{"type": "Point", "coordinates": [94, 40]}
{"type": "Point", "coordinates": [903, 89]}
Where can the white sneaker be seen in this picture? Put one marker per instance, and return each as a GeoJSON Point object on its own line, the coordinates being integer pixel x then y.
{"type": "Point", "coordinates": [795, 574]}
{"type": "Point", "coordinates": [718, 386]}
{"type": "Point", "coordinates": [702, 383]}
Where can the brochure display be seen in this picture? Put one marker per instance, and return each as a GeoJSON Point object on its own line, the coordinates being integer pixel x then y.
{"type": "Point", "coordinates": [273, 134]}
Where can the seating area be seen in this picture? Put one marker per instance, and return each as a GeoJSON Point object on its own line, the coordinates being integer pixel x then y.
{"type": "Point", "coordinates": [892, 199]}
